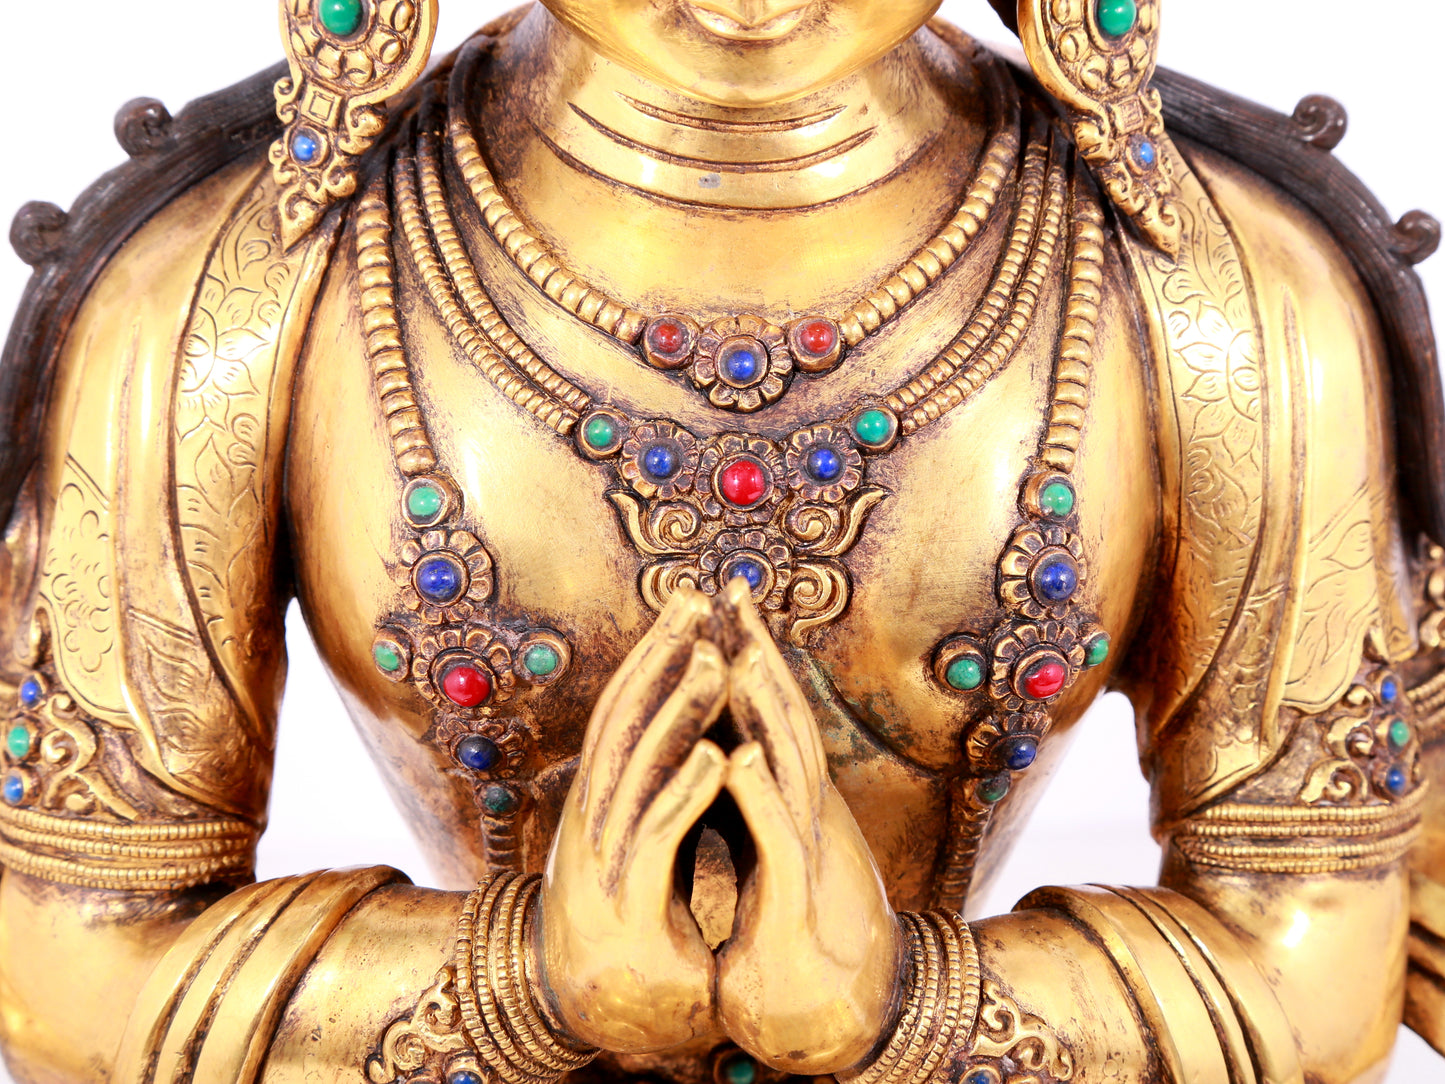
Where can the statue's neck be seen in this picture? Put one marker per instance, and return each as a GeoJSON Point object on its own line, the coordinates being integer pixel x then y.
{"type": "Point", "coordinates": [600, 118]}
{"type": "Point", "coordinates": [668, 202]}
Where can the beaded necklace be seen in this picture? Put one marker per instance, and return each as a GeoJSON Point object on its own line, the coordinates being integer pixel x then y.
{"type": "Point", "coordinates": [702, 511]}
{"type": "Point", "coordinates": [743, 362]}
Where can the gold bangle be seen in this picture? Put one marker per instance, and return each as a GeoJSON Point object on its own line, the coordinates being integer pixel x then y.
{"type": "Point", "coordinates": [494, 976]}
{"type": "Point", "coordinates": [940, 1005]}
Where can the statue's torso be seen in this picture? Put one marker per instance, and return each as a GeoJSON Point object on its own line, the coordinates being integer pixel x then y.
{"type": "Point", "coordinates": [924, 565]}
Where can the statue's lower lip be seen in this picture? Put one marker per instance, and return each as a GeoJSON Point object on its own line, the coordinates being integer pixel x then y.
{"type": "Point", "coordinates": [718, 20]}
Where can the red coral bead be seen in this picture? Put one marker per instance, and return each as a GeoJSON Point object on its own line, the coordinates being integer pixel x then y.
{"type": "Point", "coordinates": [667, 337]}
{"type": "Point", "coordinates": [818, 337]}
{"type": "Point", "coordinates": [466, 686]}
{"type": "Point", "coordinates": [743, 483]}
{"type": "Point", "coordinates": [1044, 680]}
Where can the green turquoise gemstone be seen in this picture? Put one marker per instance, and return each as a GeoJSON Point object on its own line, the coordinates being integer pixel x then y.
{"type": "Point", "coordinates": [1057, 499]}
{"type": "Point", "coordinates": [1117, 17]}
{"type": "Point", "coordinates": [541, 660]}
{"type": "Point", "coordinates": [499, 800]}
{"type": "Point", "coordinates": [424, 502]}
{"type": "Point", "coordinates": [18, 742]}
{"type": "Point", "coordinates": [964, 673]}
{"type": "Point", "coordinates": [387, 658]}
{"type": "Point", "coordinates": [992, 789]}
{"type": "Point", "coordinates": [740, 1070]}
{"type": "Point", "coordinates": [873, 427]}
{"type": "Point", "coordinates": [1399, 733]}
{"type": "Point", "coordinates": [600, 432]}
{"type": "Point", "coordinates": [1097, 651]}
{"type": "Point", "coordinates": [340, 17]}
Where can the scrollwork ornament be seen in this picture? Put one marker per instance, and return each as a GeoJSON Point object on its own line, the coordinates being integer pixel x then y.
{"type": "Point", "coordinates": [422, 1048]}
{"type": "Point", "coordinates": [347, 61]}
{"type": "Point", "coordinates": [51, 750]}
{"type": "Point", "coordinates": [1371, 744]}
{"type": "Point", "coordinates": [1099, 69]}
{"type": "Point", "coordinates": [1011, 1046]}
{"type": "Point", "coordinates": [743, 505]}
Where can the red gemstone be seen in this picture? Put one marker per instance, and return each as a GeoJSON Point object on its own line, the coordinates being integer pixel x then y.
{"type": "Point", "coordinates": [466, 686]}
{"type": "Point", "coordinates": [1044, 679]}
{"type": "Point", "coordinates": [667, 337]}
{"type": "Point", "coordinates": [743, 483]}
{"type": "Point", "coordinates": [818, 337]}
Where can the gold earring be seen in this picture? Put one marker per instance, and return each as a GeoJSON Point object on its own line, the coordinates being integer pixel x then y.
{"type": "Point", "coordinates": [1096, 58]}
{"type": "Point", "coordinates": [348, 59]}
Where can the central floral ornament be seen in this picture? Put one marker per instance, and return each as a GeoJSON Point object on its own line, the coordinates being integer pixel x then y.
{"type": "Point", "coordinates": [742, 363]}
{"type": "Point", "coordinates": [738, 505]}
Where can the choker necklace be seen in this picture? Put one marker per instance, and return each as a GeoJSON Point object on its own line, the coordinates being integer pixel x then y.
{"type": "Point", "coordinates": [746, 361]}
{"type": "Point", "coordinates": [702, 511]}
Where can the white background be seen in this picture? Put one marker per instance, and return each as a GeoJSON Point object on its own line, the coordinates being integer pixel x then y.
{"type": "Point", "coordinates": [70, 65]}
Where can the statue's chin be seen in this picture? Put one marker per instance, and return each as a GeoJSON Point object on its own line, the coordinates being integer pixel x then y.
{"type": "Point", "coordinates": [727, 20]}
{"type": "Point", "coordinates": [743, 53]}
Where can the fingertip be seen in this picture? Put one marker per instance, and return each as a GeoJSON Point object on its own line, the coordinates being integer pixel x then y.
{"type": "Point", "coordinates": [710, 752]}
{"type": "Point", "coordinates": [749, 757]}
{"type": "Point", "coordinates": [739, 593]}
{"type": "Point", "coordinates": [707, 653]}
{"type": "Point", "coordinates": [707, 763]}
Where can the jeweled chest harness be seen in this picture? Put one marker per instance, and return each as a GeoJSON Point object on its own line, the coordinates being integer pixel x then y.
{"type": "Point", "coordinates": [781, 514]}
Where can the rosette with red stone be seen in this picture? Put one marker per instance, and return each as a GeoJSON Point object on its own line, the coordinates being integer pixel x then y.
{"type": "Point", "coordinates": [1034, 663]}
{"type": "Point", "coordinates": [659, 460]}
{"type": "Point", "coordinates": [743, 363]}
{"type": "Point", "coordinates": [823, 464]}
{"type": "Point", "coordinates": [740, 478]}
{"type": "Point", "coordinates": [465, 670]}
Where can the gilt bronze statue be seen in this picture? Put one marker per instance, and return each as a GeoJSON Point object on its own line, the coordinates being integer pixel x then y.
{"type": "Point", "coordinates": [720, 448]}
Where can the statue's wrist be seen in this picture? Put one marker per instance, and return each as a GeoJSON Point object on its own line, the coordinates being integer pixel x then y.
{"type": "Point", "coordinates": [939, 983]}
{"type": "Point", "coordinates": [505, 1008]}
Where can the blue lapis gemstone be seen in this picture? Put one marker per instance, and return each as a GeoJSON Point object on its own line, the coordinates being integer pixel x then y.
{"type": "Point", "coordinates": [1396, 780]}
{"type": "Point", "coordinates": [30, 692]}
{"type": "Point", "coordinates": [660, 462]}
{"type": "Point", "coordinates": [741, 364]}
{"type": "Point", "coordinates": [750, 571]}
{"type": "Point", "coordinates": [1147, 153]}
{"type": "Point", "coordinates": [14, 789]}
{"type": "Point", "coordinates": [463, 1076]}
{"type": "Point", "coordinates": [980, 1076]}
{"type": "Point", "coordinates": [1389, 690]}
{"type": "Point", "coordinates": [305, 148]}
{"type": "Point", "coordinates": [1019, 753]}
{"type": "Point", "coordinates": [824, 465]}
{"type": "Point", "coordinates": [478, 753]}
{"type": "Point", "coordinates": [1058, 579]}
{"type": "Point", "coordinates": [438, 580]}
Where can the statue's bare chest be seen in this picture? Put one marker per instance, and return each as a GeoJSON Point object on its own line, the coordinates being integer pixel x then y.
{"type": "Point", "coordinates": [473, 609]}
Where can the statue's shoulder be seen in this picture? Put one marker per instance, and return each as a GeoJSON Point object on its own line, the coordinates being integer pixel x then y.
{"type": "Point", "coordinates": [72, 251]}
{"type": "Point", "coordinates": [144, 410]}
{"type": "Point", "coordinates": [1300, 450]}
{"type": "Point", "coordinates": [1274, 177]}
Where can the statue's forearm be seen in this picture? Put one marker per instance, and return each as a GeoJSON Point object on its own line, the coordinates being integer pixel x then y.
{"type": "Point", "coordinates": [299, 974]}
{"type": "Point", "coordinates": [1257, 978]}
